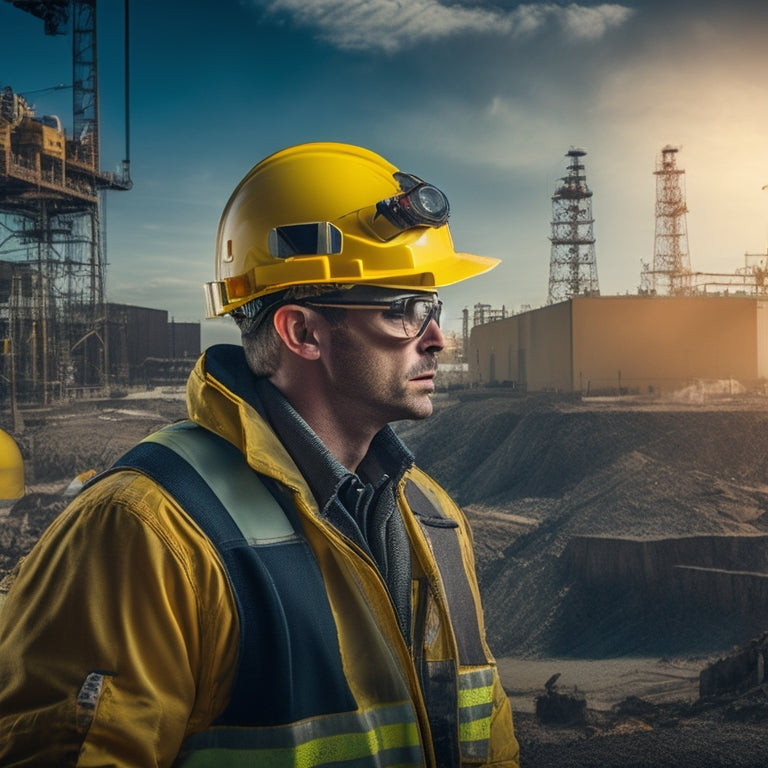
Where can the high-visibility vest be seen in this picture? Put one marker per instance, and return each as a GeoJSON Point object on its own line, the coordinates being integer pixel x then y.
{"type": "Point", "coordinates": [291, 703]}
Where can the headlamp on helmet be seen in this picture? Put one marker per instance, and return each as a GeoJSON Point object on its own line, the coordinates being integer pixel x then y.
{"type": "Point", "coordinates": [418, 205]}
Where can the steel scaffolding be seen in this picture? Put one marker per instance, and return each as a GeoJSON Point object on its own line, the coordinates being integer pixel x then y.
{"type": "Point", "coordinates": [52, 260]}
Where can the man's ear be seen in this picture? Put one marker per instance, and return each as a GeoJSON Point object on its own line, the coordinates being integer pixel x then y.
{"type": "Point", "coordinates": [296, 327]}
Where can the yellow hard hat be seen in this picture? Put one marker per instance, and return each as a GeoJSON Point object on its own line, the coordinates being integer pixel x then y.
{"type": "Point", "coordinates": [11, 468]}
{"type": "Point", "coordinates": [336, 214]}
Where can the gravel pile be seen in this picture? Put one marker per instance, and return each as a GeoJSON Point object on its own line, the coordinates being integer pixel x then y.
{"type": "Point", "coordinates": [575, 469]}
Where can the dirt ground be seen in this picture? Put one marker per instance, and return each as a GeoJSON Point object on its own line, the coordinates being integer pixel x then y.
{"type": "Point", "coordinates": [641, 712]}
{"type": "Point", "coordinates": [605, 683]}
{"type": "Point", "coordinates": [530, 474]}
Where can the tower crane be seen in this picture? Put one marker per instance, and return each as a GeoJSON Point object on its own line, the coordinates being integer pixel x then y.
{"type": "Point", "coordinates": [85, 92]}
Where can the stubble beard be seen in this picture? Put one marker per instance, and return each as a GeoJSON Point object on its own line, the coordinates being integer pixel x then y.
{"type": "Point", "coordinates": [387, 399]}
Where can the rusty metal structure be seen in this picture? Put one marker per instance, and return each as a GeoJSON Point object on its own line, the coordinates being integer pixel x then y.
{"type": "Point", "coordinates": [751, 279]}
{"type": "Point", "coordinates": [572, 266]}
{"type": "Point", "coordinates": [53, 316]}
{"type": "Point", "coordinates": [671, 271]}
{"type": "Point", "coordinates": [485, 313]}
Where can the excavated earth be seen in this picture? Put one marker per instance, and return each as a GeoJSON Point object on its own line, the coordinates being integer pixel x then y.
{"type": "Point", "coordinates": [621, 543]}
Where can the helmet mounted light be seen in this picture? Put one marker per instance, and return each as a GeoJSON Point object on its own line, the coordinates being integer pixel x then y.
{"type": "Point", "coordinates": [419, 204]}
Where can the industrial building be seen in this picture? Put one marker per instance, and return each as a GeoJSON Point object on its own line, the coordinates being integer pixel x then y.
{"type": "Point", "coordinates": [59, 336]}
{"type": "Point", "coordinates": [131, 346]}
{"type": "Point", "coordinates": [682, 326]}
{"type": "Point", "coordinates": [625, 344]}
{"type": "Point", "coordinates": [147, 348]}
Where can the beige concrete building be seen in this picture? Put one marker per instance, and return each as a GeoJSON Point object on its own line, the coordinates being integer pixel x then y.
{"type": "Point", "coordinates": [632, 344]}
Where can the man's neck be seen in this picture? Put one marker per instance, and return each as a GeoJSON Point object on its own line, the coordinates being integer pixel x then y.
{"type": "Point", "coordinates": [385, 454]}
{"type": "Point", "coordinates": [342, 431]}
{"type": "Point", "coordinates": [346, 441]}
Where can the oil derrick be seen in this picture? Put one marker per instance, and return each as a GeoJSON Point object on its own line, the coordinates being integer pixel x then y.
{"type": "Point", "coordinates": [572, 266]}
{"type": "Point", "coordinates": [52, 254]}
{"type": "Point", "coordinates": [671, 273]}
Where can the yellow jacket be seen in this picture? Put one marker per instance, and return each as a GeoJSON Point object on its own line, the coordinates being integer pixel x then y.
{"type": "Point", "coordinates": [120, 638]}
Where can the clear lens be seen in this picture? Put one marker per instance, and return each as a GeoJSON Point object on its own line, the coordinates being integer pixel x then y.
{"type": "Point", "coordinates": [407, 318]}
{"type": "Point", "coordinates": [431, 203]}
{"type": "Point", "coordinates": [417, 314]}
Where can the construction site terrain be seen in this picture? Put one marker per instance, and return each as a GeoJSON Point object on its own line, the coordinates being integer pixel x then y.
{"type": "Point", "coordinates": [621, 547]}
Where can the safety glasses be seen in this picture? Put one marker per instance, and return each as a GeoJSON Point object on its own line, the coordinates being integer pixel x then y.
{"type": "Point", "coordinates": [406, 318]}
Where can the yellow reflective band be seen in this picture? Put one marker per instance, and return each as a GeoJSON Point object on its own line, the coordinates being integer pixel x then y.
{"type": "Point", "coordinates": [393, 743]}
{"type": "Point", "coordinates": [475, 710]}
{"type": "Point", "coordinates": [361, 747]}
{"type": "Point", "coordinates": [473, 696]}
{"type": "Point", "coordinates": [477, 730]}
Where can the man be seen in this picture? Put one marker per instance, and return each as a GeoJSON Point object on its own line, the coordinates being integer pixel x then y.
{"type": "Point", "coordinates": [273, 582]}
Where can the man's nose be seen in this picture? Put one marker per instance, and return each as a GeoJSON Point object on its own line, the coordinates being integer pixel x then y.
{"type": "Point", "coordinates": [432, 338]}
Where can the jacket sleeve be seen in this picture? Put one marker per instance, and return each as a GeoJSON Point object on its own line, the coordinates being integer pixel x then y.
{"type": "Point", "coordinates": [119, 636]}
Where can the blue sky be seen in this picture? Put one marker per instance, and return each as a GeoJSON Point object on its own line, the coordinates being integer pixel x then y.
{"type": "Point", "coordinates": [483, 99]}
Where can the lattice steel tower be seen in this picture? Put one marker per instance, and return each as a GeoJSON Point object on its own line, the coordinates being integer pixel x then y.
{"type": "Point", "coordinates": [671, 273]}
{"type": "Point", "coordinates": [52, 251]}
{"type": "Point", "coordinates": [572, 265]}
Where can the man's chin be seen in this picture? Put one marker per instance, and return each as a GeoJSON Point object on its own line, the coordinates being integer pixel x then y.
{"type": "Point", "coordinates": [421, 409]}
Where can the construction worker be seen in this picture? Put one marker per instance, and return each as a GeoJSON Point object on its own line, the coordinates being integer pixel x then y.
{"type": "Point", "coordinates": [274, 582]}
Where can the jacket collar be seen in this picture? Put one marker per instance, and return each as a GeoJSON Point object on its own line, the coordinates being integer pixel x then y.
{"type": "Point", "coordinates": [224, 395]}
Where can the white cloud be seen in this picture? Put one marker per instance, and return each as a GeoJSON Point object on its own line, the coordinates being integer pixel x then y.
{"type": "Point", "coordinates": [592, 23]}
{"type": "Point", "coordinates": [391, 25]}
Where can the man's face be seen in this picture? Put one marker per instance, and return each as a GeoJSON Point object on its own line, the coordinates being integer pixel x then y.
{"type": "Point", "coordinates": [379, 378]}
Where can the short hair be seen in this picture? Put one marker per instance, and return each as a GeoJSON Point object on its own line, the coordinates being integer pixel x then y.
{"type": "Point", "coordinates": [262, 347]}
{"type": "Point", "coordinates": [262, 343]}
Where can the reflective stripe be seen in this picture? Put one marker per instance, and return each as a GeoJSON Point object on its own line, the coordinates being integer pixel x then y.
{"type": "Point", "coordinates": [475, 709]}
{"type": "Point", "coordinates": [235, 484]}
{"type": "Point", "coordinates": [383, 736]}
